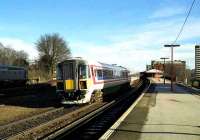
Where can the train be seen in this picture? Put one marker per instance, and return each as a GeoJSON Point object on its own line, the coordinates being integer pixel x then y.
{"type": "Point", "coordinates": [82, 81]}
{"type": "Point", "coordinates": [12, 76]}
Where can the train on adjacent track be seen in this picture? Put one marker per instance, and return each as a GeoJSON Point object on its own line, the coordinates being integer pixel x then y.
{"type": "Point", "coordinates": [12, 76]}
{"type": "Point", "coordinates": [82, 81]}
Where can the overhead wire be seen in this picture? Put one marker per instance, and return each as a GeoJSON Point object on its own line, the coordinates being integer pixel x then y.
{"type": "Point", "coordinates": [182, 27]}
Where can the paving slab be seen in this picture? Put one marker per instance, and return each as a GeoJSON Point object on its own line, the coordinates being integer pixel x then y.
{"type": "Point", "coordinates": [162, 115]}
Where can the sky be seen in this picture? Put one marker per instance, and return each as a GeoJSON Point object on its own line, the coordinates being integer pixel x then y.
{"type": "Point", "coordinates": [128, 33]}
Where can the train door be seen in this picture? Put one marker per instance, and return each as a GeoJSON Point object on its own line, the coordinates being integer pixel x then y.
{"type": "Point", "coordinates": [82, 76]}
{"type": "Point", "coordinates": [69, 76]}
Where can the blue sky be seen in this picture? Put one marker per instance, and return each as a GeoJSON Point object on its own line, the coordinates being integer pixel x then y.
{"type": "Point", "coordinates": [129, 33]}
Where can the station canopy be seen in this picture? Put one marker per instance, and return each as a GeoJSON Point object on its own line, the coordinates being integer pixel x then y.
{"type": "Point", "coordinates": [154, 71]}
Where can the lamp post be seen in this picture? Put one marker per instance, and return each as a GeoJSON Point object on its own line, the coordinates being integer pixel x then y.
{"type": "Point", "coordinates": [172, 67]}
{"type": "Point", "coordinates": [164, 58]}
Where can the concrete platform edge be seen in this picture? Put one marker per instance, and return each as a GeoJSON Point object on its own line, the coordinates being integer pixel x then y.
{"type": "Point", "coordinates": [112, 129]}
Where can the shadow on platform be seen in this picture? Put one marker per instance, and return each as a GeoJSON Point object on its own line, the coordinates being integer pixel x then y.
{"type": "Point", "coordinates": [166, 88]}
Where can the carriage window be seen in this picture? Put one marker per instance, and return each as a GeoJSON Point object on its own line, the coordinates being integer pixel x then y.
{"type": "Point", "coordinates": [107, 74]}
{"type": "Point", "coordinates": [110, 74]}
{"type": "Point", "coordinates": [99, 75]}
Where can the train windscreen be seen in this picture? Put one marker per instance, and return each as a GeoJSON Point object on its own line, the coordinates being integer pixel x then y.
{"type": "Point", "coordinates": [68, 71]}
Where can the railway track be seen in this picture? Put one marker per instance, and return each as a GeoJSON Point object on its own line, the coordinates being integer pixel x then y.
{"type": "Point", "coordinates": [53, 123]}
{"type": "Point", "coordinates": [47, 126]}
{"type": "Point", "coordinates": [93, 125]}
{"type": "Point", "coordinates": [14, 128]}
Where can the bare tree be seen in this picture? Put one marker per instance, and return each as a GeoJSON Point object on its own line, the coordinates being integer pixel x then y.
{"type": "Point", "coordinates": [52, 48]}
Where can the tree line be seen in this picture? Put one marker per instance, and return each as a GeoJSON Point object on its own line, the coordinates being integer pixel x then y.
{"type": "Point", "coordinates": [52, 48]}
{"type": "Point", "coordinates": [9, 56]}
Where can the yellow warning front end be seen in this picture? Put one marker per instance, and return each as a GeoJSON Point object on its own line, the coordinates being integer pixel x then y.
{"type": "Point", "coordinates": [69, 85]}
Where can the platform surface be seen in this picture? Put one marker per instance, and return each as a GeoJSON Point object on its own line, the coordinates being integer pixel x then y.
{"type": "Point", "coordinates": [162, 115]}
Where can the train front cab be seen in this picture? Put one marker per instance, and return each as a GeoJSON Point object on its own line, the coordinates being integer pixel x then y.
{"type": "Point", "coordinates": [74, 80]}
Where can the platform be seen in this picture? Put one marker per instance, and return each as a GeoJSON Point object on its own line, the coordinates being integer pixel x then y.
{"type": "Point", "coordinates": [162, 115]}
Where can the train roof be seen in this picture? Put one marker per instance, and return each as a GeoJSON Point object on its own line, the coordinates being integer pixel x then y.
{"type": "Point", "coordinates": [112, 66]}
{"type": "Point", "coordinates": [96, 63]}
{"type": "Point", "coordinates": [10, 67]}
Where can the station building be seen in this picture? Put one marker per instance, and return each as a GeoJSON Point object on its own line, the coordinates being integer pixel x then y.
{"type": "Point", "coordinates": [178, 65]}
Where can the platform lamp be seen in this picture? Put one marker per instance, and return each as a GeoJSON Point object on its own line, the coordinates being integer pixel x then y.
{"type": "Point", "coordinates": [172, 67]}
{"type": "Point", "coordinates": [164, 58]}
